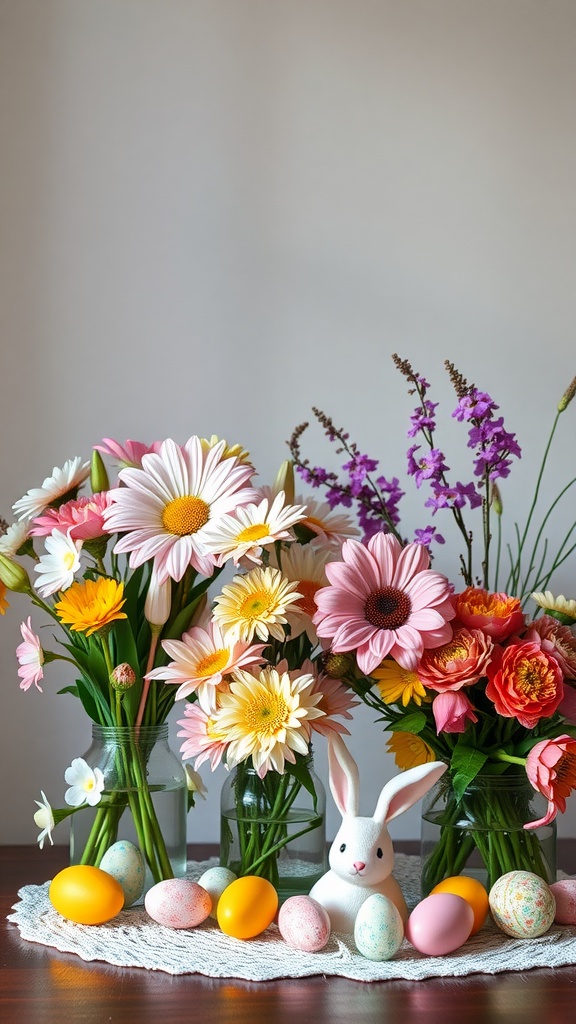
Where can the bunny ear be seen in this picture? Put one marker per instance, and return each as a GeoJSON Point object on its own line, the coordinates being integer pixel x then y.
{"type": "Point", "coordinates": [404, 790]}
{"type": "Point", "coordinates": [343, 776]}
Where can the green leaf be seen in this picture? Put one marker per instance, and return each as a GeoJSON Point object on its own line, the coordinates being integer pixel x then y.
{"type": "Point", "coordinates": [413, 722]}
{"type": "Point", "coordinates": [70, 689]}
{"type": "Point", "coordinates": [301, 773]}
{"type": "Point", "coordinates": [465, 764]}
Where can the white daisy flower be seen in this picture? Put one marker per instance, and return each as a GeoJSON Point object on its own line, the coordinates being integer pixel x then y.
{"type": "Point", "coordinates": [60, 563]}
{"type": "Point", "coordinates": [329, 526]}
{"type": "Point", "coordinates": [44, 820]}
{"type": "Point", "coordinates": [305, 565]}
{"type": "Point", "coordinates": [63, 481]}
{"type": "Point", "coordinates": [86, 784]}
{"type": "Point", "coordinates": [244, 534]}
{"type": "Point", "coordinates": [16, 535]}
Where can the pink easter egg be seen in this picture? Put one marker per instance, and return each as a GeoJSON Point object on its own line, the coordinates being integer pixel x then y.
{"type": "Point", "coordinates": [440, 924]}
{"type": "Point", "coordinates": [304, 924]}
{"type": "Point", "coordinates": [178, 903]}
{"type": "Point", "coordinates": [564, 893]}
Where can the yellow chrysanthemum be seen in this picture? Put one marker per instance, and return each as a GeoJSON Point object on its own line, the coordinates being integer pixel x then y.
{"type": "Point", "coordinates": [3, 602]}
{"type": "Point", "coordinates": [89, 606]}
{"type": "Point", "coordinates": [399, 684]}
{"type": "Point", "coordinates": [255, 604]}
{"type": "Point", "coordinates": [409, 750]}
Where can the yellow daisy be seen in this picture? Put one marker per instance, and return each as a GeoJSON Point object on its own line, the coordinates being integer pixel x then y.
{"type": "Point", "coordinates": [266, 717]}
{"type": "Point", "coordinates": [89, 606]}
{"type": "Point", "coordinates": [399, 684]}
{"type": "Point", "coordinates": [561, 608]}
{"type": "Point", "coordinates": [409, 750]}
{"type": "Point", "coordinates": [255, 604]}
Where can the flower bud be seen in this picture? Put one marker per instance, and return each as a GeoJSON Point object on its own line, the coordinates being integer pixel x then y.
{"type": "Point", "coordinates": [98, 476]}
{"type": "Point", "coordinates": [496, 499]}
{"type": "Point", "coordinates": [14, 576]}
{"type": "Point", "coordinates": [123, 677]}
{"type": "Point", "coordinates": [158, 601]}
{"type": "Point", "coordinates": [336, 665]}
{"type": "Point", "coordinates": [567, 396]}
{"type": "Point", "coordinates": [285, 481]}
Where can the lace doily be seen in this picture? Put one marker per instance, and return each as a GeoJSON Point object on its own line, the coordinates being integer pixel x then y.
{"type": "Point", "coordinates": [134, 940]}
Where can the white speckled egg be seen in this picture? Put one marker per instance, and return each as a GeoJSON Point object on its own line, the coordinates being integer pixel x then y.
{"type": "Point", "coordinates": [125, 863]}
{"type": "Point", "coordinates": [378, 930]}
{"type": "Point", "coordinates": [215, 880]}
{"type": "Point", "coordinates": [522, 904]}
{"type": "Point", "coordinates": [178, 903]}
{"type": "Point", "coordinates": [564, 893]}
{"type": "Point", "coordinates": [304, 923]}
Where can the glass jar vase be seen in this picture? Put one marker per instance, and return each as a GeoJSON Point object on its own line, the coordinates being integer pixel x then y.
{"type": "Point", "coordinates": [274, 827]}
{"type": "Point", "coordinates": [144, 800]}
{"type": "Point", "coordinates": [482, 834]}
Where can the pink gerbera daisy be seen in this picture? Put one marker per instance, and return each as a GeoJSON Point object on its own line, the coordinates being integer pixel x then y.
{"type": "Point", "coordinates": [30, 657]}
{"type": "Point", "coordinates": [128, 454]}
{"type": "Point", "coordinates": [163, 508]}
{"type": "Point", "coordinates": [83, 518]}
{"type": "Point", "coordinates": [384, 600]}
{"type": "Point", "coordinates": [202, 737]}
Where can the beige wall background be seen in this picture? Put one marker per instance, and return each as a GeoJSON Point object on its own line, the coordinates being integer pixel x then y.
{"type": "Point", "coordinates": [215, 214]}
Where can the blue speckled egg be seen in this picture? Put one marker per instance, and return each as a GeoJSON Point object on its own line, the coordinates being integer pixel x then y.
{"type": "Point", "coordinates": [125, 863]}
{"type": "Point", "coordinates": [378, 930]}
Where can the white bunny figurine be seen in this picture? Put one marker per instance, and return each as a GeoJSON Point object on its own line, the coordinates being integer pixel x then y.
{"type": "Point", "coordinates": [361, 857]}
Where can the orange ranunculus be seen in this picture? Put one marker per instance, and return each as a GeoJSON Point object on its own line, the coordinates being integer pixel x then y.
{"type": "Point", "coordinates": [525, 682]}
{"type": "Point", "coordinates": [551, 768]}
{"type": "Point", "coordinates": [495, 614]}
{"type": "Point", "coordinates": [460, 662]}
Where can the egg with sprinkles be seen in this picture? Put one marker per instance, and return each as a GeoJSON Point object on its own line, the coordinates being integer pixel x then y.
{"type": "Point", "coordinates": [304, 924]}
{"type": "Point", "coordinates": [378, 929]}
{"type": "Point", "coordinates": [125, 863]}
{"type": "Point", "coordinates": [522, 904]}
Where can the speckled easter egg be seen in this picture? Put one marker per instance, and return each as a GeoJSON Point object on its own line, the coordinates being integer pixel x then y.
{"type": "Point", "coordinates": [178, 903]}
{"type": "Point", "coordinates": [125, 863]}
{"type": "Point", "coordinates": [378, 929]}
{"type": "Point", "coordinates": [564, 893]}
{"type": "Point", "coordinates": [522, 904]}
{"type": "Point", "coordinates": [304, 923]}
{"type": "Point", "coordinates": [215, 880]}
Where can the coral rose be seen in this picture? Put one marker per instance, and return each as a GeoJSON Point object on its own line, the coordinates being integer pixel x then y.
{"type": "Point", "coordinates": [497, 615]}
{"type": "Point", "coordinates": [525, 682]}
{"type": "Point", "coordinates": [551, 768]}
{"type": "Point", "coordinates": [460, 662]}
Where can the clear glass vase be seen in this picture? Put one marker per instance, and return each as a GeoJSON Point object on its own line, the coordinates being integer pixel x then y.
{"type": "Point", "coordinates": [144, 800]}
{"type": "Point", "coordinates": [482, 834]}
{"type": "Point", "coordinates": [274, 827]}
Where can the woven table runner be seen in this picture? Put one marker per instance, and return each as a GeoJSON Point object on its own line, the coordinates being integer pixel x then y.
{"type": "Point", "coordinates": [132, 939]}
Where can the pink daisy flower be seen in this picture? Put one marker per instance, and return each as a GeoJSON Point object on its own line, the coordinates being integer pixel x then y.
{"type": "Point", "coordinates": [201, 660]}
{"type": "Point", "coordinates": [83, 518]}
{"type": "Point", "coordinates": [202, 738]}
{"type": "Point", "coordinates": [163, 508]}
{"type": "Point", "coordinates": [384, 600]}
{"type": "Point", "coordinates": [30, 657]}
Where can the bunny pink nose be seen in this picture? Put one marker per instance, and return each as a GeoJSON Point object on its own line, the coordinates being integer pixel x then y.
{"type": "Point", "coordinates": [359, 865]}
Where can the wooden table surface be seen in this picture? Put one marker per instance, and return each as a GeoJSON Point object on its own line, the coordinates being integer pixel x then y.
{"type": "Point", "coordinates": [39, 984]}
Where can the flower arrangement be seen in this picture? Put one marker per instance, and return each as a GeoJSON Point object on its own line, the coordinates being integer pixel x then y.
{"type": "Point", "coordinates": [458, 673]}
{"type": "Point", "coordinates": [124, 573]}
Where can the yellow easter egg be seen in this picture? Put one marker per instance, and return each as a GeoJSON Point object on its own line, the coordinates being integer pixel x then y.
{"type": "Point", "coordinates": [86, 895]}
{"type": "Point", "coordinates": [247, 906]}
{"type": "Point", "coordinates": [471, 890]}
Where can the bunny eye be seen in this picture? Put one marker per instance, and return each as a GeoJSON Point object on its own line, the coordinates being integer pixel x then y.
{"type": "Point", "coordinates": [379, 852]}
{"type": "Point", "coordinates": [343, 847]}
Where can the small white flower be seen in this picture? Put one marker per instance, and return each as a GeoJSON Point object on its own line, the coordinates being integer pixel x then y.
{"type": "Point", "coordinates": [11, 541]}
{"type": "Point", "coordinates": [69, 478]}
{"type": "Point", "coordinates": [194, 782]}
{"type": "Point", "coordinates": [59, 564]}
{"type": "Point", "coordinates": [44, 819]}
{"type": "Point", "coordinates": [86, 784]}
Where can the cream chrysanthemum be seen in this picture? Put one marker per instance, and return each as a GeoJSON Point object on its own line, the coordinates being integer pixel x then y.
{"type": "Point", "coordinates": [63, 483]}
{"type": "Point", "coordinates": [255, 604]}
{"type": "Point", "coordinates": [162, 510]}
{"type": "Point", "coordinates": [266, 717]}
{"type": "Point", "coordinates": [561, 608]}
{"type": "Point", "coordinates": [244, 534]}
{"type": "Point", "coordinates": [16, 535]}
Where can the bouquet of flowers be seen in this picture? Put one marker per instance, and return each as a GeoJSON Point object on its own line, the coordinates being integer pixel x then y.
{"type": "Point", "coordinates": [460, 674]}
{"type": "Point", "coordinates": [124, 574]}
